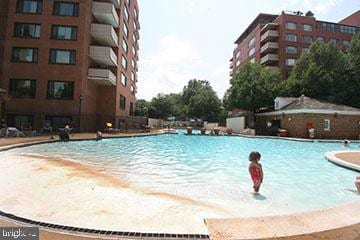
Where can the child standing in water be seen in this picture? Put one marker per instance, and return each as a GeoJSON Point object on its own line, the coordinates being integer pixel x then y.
{"type": "Point", "coordinates": [255, 170]}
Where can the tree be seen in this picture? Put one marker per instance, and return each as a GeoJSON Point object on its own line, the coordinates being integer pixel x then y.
{"type": "Point", "coordinates": [142, 108]}
{"type": "Point", "coordinates": [200, 100]}
{"type": "Point", "coordinates": [162, 106]}
{"type": "Point", "coordinates": [321, 73]}
{"type": "Point", "coordinates": [205, 105]}
{"type": "Point", "coordinates": [193, 87]}
{"type": "Point", "coordinates": [253, 87]}
{"type": "Point", "coordinates": [354, 69]}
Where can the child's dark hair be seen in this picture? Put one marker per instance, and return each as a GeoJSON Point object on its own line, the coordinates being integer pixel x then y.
{"type": "Point", "coordinates": [254, 156]}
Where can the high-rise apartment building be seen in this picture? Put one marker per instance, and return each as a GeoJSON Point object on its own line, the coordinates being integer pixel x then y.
{"type": "Point", "coordinates": [278, 40]}
{"type": "Point", "coordinates": [69, 61]}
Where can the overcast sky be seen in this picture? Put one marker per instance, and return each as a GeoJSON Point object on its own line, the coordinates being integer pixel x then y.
{"type": "Point", "coordinates": [186, 39]}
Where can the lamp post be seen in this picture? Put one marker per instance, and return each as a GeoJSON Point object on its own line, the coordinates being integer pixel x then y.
{"type": "Point", "coordinates": [80, 100]}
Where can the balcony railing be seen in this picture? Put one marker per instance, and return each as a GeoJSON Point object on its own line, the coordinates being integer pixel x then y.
{"type": "Point", "coordinates": [104, 34]}
{"type": "Point", "coordinates": [104, 56]}
{"type": "Point", "coordinates": [269, 35]}
{"type": "Point", "coordinates": [115, 2]}
{"type": "Point", "coordinates": [268, 58]}
{"type": "Point", "coordinates": [102, 76]}
{"type": "Point", "coordinates": [269, 47]}
{"type": "Point", "coordinates": [105, 13]}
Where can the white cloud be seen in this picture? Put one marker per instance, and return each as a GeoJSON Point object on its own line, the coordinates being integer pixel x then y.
{"type": "Point", "coordinates": [174, 63]}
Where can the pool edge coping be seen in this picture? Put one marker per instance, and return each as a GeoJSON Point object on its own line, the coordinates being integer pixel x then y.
{"type": "Point", "coordinates": [331, 157]}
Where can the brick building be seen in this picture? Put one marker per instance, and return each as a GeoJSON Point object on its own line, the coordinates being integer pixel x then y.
{"type": "Point", "coordinates": [278, 40]}
{"type": "Point", "coordinates": [297, 115]}
{"type": "Point", "coordinates": [72, 61]}
{"type": "Point", "coordinates": [2, 105]}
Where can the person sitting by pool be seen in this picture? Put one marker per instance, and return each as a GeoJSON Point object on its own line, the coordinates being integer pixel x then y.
{"type": "Point", "coordinates": [255, 170]}
{"type": "Point", "coordinates": [357, 184]}
{"type": "Point", "coordinates": [99, 136]}
{"type": "Point", "coordinates": [346, 143]}
{"type": "Point", "coordinates": [64, 134]}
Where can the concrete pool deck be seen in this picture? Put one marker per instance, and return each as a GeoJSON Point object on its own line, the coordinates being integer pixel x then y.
{"type": "Point", "coordinates": [347, 159]}
{"type": "Point", "coordinates": [341, 222]}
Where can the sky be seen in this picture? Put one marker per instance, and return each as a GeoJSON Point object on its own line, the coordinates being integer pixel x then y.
{"type": "Point", "coordinates": [186, 39]}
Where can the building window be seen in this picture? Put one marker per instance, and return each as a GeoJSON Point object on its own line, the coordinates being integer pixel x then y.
{"type": "Point", "coordinates": [122, 102]}
{"type": "Point", "coordinates": [123, 62]}
{"type": "Point", "coordinates": [237, 63]}
{"type": "Point", "coordinates": [60, 90]}
{"type": "Point", "coordinates": [333, 41]}
{"type": "Point", "coordinates": [126, 30]}
{"type": "Point", "coordinates": [22, 88]}
{"type": "Point", "coordinates": [24, 55]}
{"type": "Point", "coordinates": [291, 50]}
{"type": "Point", "coordinates": [251, 51]}
{"type": "Point", "coordinates": [29, 6]}
{"type": "Point", "coordinates": [320, 39]}
{"type": "Point", "coordinates": [291, 25]}
{"type": "Point", "coordinates": [326, 125]}
{"type": "Point", "coordinates": [62, 56]}
{"type": "Point", "coordinates": [252, 41]}
{"type": "Point", "coordinates": [133, 51]}
{"type": "Point", "coordinates": [307, 39]}
{"type": "Point", "coordinates": [135, 13]}
{"type": "Point", "coordinates": [132, 89]}
{"type": "Point", "coordinates": [133, 64]}
{"type": "Point", "coordinates": [131, 110]}
{"type": "Point", "coordinates": [27, 30]}
{"type": "Point", "coordinates": [291, 37]}
{"type": "Point", "coordinates": [123, 79]}
{"type": "Point", "coordinates": [60, 32]}
{"type": "Point", "coordinates": [252, 60]}
{"type": "Point", "coordinates": [57, 122]}
{"type": "Point", "coordinates": [132, 76]}
{"type": "Point", "coordinates": [126, 14]}
{"type": "Point", "coordinates": [307, 28]}
{"type": "Point", "coordinates": [328, 27]}
{"type": "Point", "coordinates": [124, 45]}
{"type": "Point", "coordinates": [135, 27]}
{"type": "Point", "coordinates": [290, 62]}
{"type": "Point", "coordinates": [21, 121]}
{"type": "Point", "coordinates": [347, 29]}
{"type": "Point", "coordinates": [346, 43]}
{"type": "Point", "coordinates": [238, 54]}
{"type": "Point", "coordinates": [68, 9]}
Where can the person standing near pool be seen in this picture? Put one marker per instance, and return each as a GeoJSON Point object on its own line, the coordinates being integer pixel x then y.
{"type": "Point", "coordinates": [255, 170]}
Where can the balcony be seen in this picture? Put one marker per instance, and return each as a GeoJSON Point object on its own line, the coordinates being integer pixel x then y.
{"type": "Point", "coordinates": [269, 35]}
{"type": "Point", "coordinates": [104, 34]}
{"type": "Point", "coordinates": [269, 47]}
{"type": "Point", "coordinates": [269, 58]}
{"type": "Point", "coordinates": [104, 56]}
{"type": "Point", "coordinates": [105, 13]}
{"type": "Point", "coordinates": [102, 76]}
{"type": "Point", "coordinates": [269, 26]}
{"type": "Point", "coordinates": [231, 65]}
{"type": "Point", "coordinates": [115, 2]}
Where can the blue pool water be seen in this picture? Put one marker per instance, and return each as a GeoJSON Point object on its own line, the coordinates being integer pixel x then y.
{"type": "Point", "coordinates": [215, 169]}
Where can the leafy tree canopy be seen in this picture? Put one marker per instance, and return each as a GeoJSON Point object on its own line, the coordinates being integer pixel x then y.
{"type": "Point", "coordinates": [253, 87]}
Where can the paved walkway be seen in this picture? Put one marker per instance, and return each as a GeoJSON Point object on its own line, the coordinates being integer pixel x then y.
{"type": "Point", "coordinates": [347, 159]}
{"type": "Point", "coordinates": [76, 136]}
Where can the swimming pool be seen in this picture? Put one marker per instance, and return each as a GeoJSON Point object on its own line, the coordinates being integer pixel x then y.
{"type": "Point", "coordinates": [215, 170]}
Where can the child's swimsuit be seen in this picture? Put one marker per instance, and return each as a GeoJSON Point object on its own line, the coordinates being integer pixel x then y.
{"type": "Point", "coordinates": [255, 173]}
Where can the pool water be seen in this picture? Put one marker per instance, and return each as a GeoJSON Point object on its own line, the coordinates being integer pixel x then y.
{"type": "Point", "coordinates": [214, 169]}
